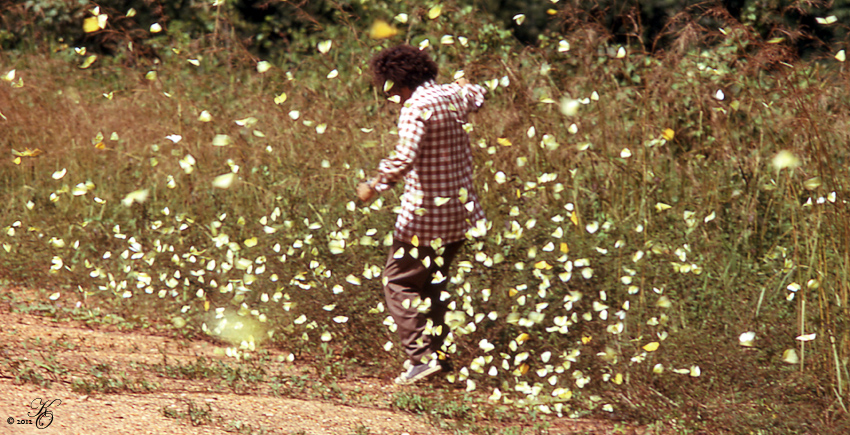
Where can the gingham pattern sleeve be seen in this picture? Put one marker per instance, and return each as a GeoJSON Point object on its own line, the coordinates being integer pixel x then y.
{"type": "Point", "coordinates": [434, 159]}
{"type": "Point", "coordinates": [411, 129]}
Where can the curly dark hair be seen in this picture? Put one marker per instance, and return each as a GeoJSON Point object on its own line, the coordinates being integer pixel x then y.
{"type": "Point", "coordinates": [404, 65]}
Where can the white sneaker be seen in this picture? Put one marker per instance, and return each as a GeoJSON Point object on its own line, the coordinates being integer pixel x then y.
{"type": "Point", "coordinates": [416, 373]}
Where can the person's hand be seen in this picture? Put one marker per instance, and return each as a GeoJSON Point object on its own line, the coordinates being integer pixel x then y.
{"type": "Point", "coordinates": [462, 82]}
{"type": "Point", "coordinates": [365, 191]}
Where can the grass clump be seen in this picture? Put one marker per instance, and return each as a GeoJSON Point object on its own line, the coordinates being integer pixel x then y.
{"type": "Point", "coordinates": [242, 378]}
{"type": "Point", "coordinates": [195, 414]}
{"type": "Point", "coordinates": [101, 379]}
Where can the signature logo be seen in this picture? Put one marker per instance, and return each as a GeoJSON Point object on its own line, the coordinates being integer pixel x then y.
{"type": "Point", "coordinates": [43, 415]}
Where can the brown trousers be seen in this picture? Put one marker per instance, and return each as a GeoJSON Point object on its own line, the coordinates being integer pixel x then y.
{"type": "Point", "coordinates": [407, 278]}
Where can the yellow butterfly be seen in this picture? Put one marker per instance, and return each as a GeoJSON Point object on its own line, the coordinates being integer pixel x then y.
{"type": "Point", "coordinates": [651, 346]}
{"type": "Point", "coordinates": [382, 30]}
{"type": "Point", "coordinates": [28, 153]}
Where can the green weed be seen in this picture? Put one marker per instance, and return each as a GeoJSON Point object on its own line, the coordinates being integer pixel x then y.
{"type": "Point", "coordinates": [38, 365]}
{"type": "Point", "coordinates": [240, 427]}
{"type": "Point", "coordinates": [23, 371]}
{"type": "Point", "coordinates": [240, 378]}
{"type": "Point", "coordinates": [195, 414]}
{"type": "Point", "coordinates": [442, 411]}
{"type": "Point", "coordinates": [101, 379]}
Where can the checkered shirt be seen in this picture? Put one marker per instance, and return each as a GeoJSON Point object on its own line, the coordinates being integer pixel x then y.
{"type": "Point", "coordinates": [434, 158]}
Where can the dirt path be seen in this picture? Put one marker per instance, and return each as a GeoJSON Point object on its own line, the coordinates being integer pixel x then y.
{"type": "Point", "coordinates": [106, 381]}
{"type": "Point", "coordinates": [35, 342]}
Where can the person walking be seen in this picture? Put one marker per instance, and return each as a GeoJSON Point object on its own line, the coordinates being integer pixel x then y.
{"type": "Point", "coordinates": [439, 204]}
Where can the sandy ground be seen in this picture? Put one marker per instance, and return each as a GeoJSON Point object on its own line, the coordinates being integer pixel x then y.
{"type": "Point", "coordinates": [63, 352]}
{"type": "Point", "coordinates": [77, 348]}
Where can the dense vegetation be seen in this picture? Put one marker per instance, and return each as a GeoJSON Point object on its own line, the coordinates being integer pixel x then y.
{"type": "Point", "coordinates": [668, 236]}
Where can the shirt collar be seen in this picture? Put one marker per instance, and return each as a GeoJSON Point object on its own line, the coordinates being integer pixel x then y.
{"type": "Point", "coordinates": [427, 84]}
